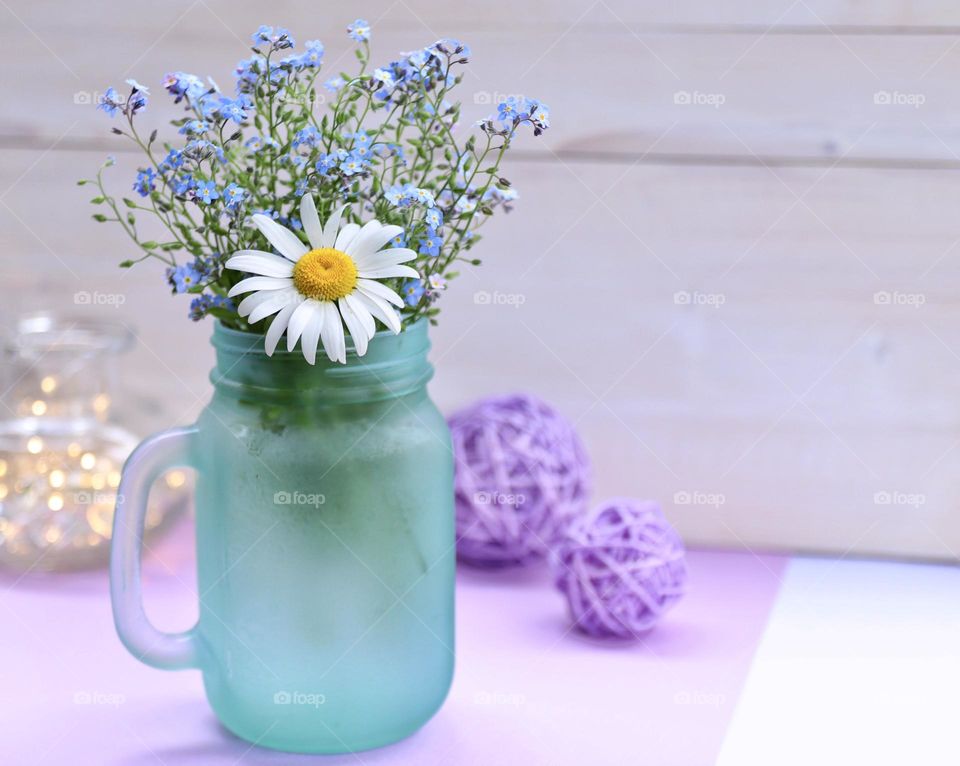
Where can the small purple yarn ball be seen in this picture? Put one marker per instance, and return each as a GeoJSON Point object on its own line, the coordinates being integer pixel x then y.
{"type": "Point", "coordinates": [621, 567]}
{"type": "Point", "coordinates": [521, 473]}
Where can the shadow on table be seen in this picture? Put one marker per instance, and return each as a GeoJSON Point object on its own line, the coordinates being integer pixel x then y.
{"type": "Point", "coordinates": [224, 748]}
{"type": "Point", "coordinates": [677, 640]}
{"type": "Point", "coordinates": [534, 576]}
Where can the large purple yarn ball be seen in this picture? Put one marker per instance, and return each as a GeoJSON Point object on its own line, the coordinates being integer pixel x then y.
{"type": "Point", "coordinates": [521, 473]}
{"type": "Point", "coordinates": [621, 567]}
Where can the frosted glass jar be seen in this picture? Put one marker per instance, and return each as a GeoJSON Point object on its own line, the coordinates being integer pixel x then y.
{"type": "Point", "coordinates": [325, 545]}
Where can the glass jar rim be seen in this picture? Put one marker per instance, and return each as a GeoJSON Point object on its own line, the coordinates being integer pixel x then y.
{"type": "Point", "coordinates": [394, 364]}
{"type": "Point", "coordinates": [241, 341]}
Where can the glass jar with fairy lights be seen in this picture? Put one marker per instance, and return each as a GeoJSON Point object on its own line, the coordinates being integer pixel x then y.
{"type": "Point", "coordinates": [60, 451]}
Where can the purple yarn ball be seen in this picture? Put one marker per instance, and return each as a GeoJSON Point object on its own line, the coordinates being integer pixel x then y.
{"type": "Point", "coordinates": [521, 473]}
{"type": "Point", "coordinates": [621, 567]}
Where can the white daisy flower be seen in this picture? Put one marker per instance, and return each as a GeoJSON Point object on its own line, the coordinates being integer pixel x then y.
{"type": "Point", "coordinates": [315, 291]}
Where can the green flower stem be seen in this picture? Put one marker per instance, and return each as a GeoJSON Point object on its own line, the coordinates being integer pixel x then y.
{"type": "Point", "coordinates": [189, 222]}
{"type": "Point", "coordinates": [129, 228]}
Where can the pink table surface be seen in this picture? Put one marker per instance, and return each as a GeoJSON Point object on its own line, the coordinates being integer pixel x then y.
{"type": "Point", "coordinates": [527, 690]}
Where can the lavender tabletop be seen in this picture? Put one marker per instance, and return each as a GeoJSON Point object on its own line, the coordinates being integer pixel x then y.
{"type": "Point", "coordinates": [528, 689]}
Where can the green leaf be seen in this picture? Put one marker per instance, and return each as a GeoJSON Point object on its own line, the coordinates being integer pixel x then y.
{"type": "Point", "coordinates": [98, 200]}
{"type": "Point", "coordinates": [126, 264]}
{"type": "Point", "coordinates": [150, 245]}
{"type": "Point", "coordinates": [99, 217]}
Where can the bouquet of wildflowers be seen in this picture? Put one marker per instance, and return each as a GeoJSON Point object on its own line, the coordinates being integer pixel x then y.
{"type": "Point", "coordinates": [329, 209]}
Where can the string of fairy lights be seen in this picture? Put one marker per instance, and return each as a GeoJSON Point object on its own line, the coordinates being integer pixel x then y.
{"type": "Point", "coordinates": [60, 468]}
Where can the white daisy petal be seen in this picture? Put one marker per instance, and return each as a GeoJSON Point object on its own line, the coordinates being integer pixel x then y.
{"type": "Point", "coordinates": [281, 238]}
{"type": "Point", "coordinates": [347, 233]}
{"type": "Point", "coordinates": [270, 302]}
{"type": "Point", "coordinates": [259, 262]}
{"type": "Point", "coordinates": [370, 287]}
{"type": "Point", "coordinates": [299, 320]}
{"type": "Point", "coordinates": [277, 326]}
{"type": "Point", "coordinates": [332, 227]}
{"type": "Point", "coordinates": [332, 334]}
{"type": "Point", "coordinates": [370, 240]}
{"type": "Point", "coordinates": [366, 229]}
{"type": "Point", "coordinates": [357, 331]}
{"type": "Point", "coordinates": [384, 258]}
{"type": "Point", "coordinates": [250, 284]}
{"type": "Point", "coordinates": [268, 298]}
{"type": "Point", "coordinates": [253, 300]}
{"type": "Point", "coordinates": [310, 220]}
{"type": "Point", "coordinates": [408, 254]}
{"type": "Point", "coordinates": [390, 271]}
{"type": "Point", "coordinates": [380, 309]}
{"type": "Point", "coordinates": [360, 309]}
{"type": "Point", "coordinates": [311, 336]}
{"type": "Point", "coordinates": [370, 226]}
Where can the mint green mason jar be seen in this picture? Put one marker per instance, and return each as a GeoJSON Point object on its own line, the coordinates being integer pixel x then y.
{"type": "Point", "coordinates": [325, 545]}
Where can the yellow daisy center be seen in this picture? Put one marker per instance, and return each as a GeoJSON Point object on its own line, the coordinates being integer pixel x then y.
{"type": "Point", "coordinates": [325, 274]}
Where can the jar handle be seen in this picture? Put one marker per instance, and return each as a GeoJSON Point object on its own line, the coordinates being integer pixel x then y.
{"type": "Point", "coordinates": [156, 454]}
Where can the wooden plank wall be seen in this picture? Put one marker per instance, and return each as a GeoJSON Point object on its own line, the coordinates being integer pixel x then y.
{"type": "Point", "coordinates": [736, 251]}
